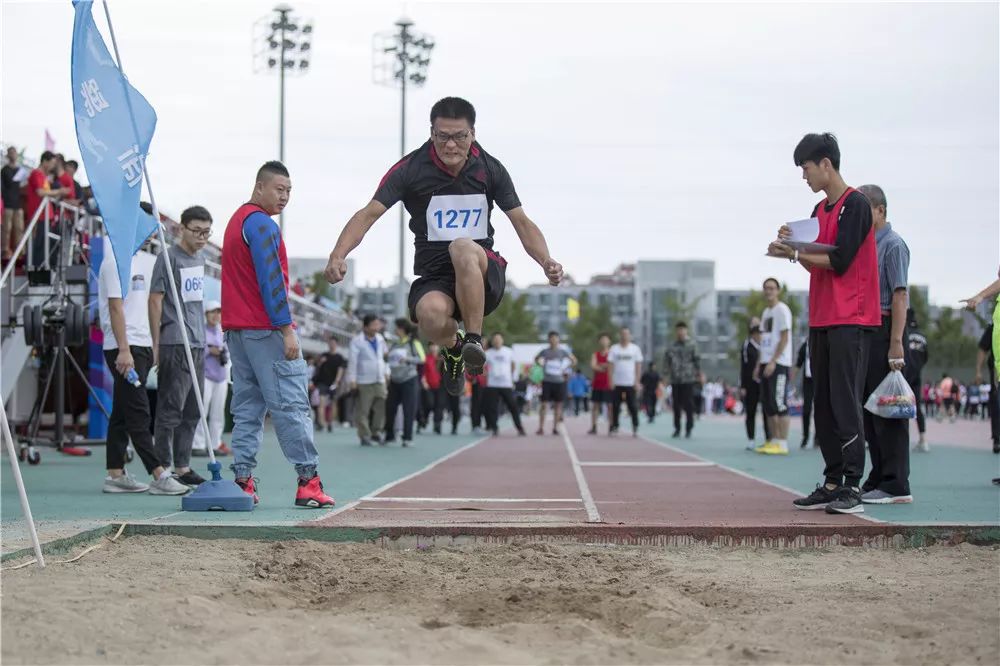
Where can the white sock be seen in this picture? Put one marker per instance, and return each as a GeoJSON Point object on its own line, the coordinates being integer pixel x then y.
{"type": "Point", "coordinates": [782, 443]}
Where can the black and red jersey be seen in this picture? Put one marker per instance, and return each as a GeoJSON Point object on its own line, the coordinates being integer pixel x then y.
{"type": "Point", "coordinates": [443, 207]}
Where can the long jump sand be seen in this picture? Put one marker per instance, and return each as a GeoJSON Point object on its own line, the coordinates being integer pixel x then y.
{"type": "Point", "coordinates": [170, 600]}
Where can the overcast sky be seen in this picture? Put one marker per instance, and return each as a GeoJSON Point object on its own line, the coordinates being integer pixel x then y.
{"type": "Point", "coordinates": [642, 131]}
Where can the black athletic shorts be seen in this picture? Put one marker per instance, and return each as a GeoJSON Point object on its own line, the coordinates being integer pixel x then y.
{"type": "Point", "coordinates": [326, 389]}
{"type": "Point", "coordinates": [600, 396]}
{"type": "Point", "coordinates": [553, 391]}
{"type": "Point", "coordinates": [495, 282]}
{"type": "Point", "coordinates": [773, 390]}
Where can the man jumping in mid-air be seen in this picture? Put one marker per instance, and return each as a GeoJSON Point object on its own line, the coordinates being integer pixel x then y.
{"type": "Point", "coordinates": [449, 186]}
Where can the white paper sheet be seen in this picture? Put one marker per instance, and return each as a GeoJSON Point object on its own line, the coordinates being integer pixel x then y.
{"type": "Point", "coordinates": [804, 234]}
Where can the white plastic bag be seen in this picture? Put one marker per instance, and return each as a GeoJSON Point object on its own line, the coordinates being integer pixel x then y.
{"type": "Point", "coordinates": [893, 399]}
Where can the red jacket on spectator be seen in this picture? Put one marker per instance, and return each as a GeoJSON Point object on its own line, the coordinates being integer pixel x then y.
{"type": "Point", "coordinates": [431, 373]}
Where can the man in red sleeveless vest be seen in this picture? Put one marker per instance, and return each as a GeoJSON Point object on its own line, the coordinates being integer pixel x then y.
{"type": "Point", "coordinates": [843, 311]}
{"type": "Point", "coordinates": [269, 373]}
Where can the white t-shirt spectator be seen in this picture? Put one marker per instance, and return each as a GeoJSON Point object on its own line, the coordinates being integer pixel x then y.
{"type": "Point", "coordinates": [136, 302]}
{"type": "Point", "coordinates": [772, 323]}
{"type": "Point", "coordinates": [624, 360]}
{"type": "Point", "coordinates": [498, 367]}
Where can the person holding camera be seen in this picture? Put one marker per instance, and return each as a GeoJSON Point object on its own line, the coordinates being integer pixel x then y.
{"type": "Point", "coordinates": [216, 384]}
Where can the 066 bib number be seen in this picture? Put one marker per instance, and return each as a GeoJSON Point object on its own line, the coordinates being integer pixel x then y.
{"type": "Point", "coordinates": [453, 216]}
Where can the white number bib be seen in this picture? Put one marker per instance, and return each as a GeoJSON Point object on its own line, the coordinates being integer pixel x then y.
{"type": "Point", "coordinates": [453, 216]}
{"type": "Point", "coordinates": [192, 282]}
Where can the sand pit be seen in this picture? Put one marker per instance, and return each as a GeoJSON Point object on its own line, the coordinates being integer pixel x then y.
{"type": "Point", "coordinates": [162, 600]}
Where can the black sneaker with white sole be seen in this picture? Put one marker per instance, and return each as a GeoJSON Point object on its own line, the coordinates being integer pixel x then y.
{"type": "Point", "coordinates": [190, 478]}
{"type": "Point", "coordinates": [474, 357]}
{"type": "Point", "coordinates": [818, 499]}
{"type": "Point", "coordinates": [848, 500]}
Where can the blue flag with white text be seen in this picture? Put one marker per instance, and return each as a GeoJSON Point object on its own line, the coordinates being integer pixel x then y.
{"type": "Point", "coordinates": [114, 132]}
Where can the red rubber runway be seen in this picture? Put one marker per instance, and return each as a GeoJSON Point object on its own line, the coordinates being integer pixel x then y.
{"type": "Point", "coordinates": [579, 480]}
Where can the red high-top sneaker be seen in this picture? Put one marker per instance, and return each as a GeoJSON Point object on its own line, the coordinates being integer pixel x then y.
{"type": "Point", "coordinates": [249, 486]}
{"type": "Point", "coordinates": [310, 494]}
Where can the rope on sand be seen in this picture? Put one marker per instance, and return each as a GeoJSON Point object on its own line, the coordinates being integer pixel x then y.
{"type": "Point", "coordinates": [85, 551]}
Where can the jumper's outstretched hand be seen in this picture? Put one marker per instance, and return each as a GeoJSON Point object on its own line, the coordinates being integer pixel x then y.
{"type": "Point", "coordinates": [336, 270]}
{"type": "Point", "coordinates": [972, 303]}
{"type": "Point", "coordinates": [553, 271]}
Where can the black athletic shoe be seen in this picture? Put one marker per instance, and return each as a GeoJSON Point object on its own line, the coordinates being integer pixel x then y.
{"type": "Point", "coordinates": [677, 433]}
{"type": "Point", "coordinates": [190, 478]}
{"type": "Point", "coordinates": [818, 499]}
{"type": "Point", "coordinates": [805, 443]}
{"type": "Point", "coordinates": [848, 500]}
{"type": "Point", "coordinates": [474, 357]}
{"type": "Point", "coordinates": [592, 431]}
{"type": "Point", "coordinates": [996, 446]}
{"type": "Point", "coordinates": [452, 372]}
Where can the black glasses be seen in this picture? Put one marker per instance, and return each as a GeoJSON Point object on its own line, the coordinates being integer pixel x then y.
{"type": "Point", "coordinates": [458, 137]}
{"type": "Point", "coordinates": [200, 233]}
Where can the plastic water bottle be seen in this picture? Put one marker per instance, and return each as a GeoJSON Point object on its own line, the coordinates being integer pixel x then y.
{"type": "Point", "coordinates": [133, 378]}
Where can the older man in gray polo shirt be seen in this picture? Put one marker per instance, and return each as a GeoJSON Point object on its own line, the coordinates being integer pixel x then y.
{"type": "Point", "coordinates": [888, 439]}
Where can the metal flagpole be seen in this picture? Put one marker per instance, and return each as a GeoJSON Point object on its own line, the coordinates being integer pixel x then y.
{"type": "Point", "coordinates": [8, 442]}
{"type": "Point", "coordinates": [166, 254]}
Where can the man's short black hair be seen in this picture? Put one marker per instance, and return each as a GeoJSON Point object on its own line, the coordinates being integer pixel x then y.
{"type": "Point", "coordinates": [46, 156]}
{"type": "Point", "coordinates": [73, 163]}
{"type": "Point", "coordinates": [195, 213]}
{"type": "Point", "coordinates": [814, 147]}
{"type": "Point", "coordinates": [368, 319]}
{"type": "Point", "coordinates": [681, 324]}
{"type": "Point", "coordinates": [272, 168]}
{"type": "Point", "coordinates": [555, 333]}
{"type": "Point", "coordinates": [146, 206]}
{"type": "Point", "coordinates": [775, 281]}
{"type": "Point", "coordinates": [453, 108]}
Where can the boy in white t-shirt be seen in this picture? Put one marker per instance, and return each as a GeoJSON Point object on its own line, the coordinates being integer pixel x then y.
{"type": "Point", "coordinates": [625, 361]}
{"type": "Point", "coordinates": [500, 367]}
{"type": "Point", "coordinates": [775, 361]}
{"type": "Point", "coordinates": [128, 346]}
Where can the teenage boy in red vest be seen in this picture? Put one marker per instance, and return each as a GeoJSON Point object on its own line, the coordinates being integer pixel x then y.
{"type": "Point", "coordinates": [843, 311]}
{"type": "Point", "coordinates": [269, 373]}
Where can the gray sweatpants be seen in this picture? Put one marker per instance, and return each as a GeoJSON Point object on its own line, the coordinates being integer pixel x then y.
{"type": "Point", "coordinates": [177, 416]}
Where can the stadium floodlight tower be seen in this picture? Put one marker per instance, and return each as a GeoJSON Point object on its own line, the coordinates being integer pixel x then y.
{"type": "Point", "coordinates": [283, 44]}
{"type": "Point", "coordinates": [401, 58]}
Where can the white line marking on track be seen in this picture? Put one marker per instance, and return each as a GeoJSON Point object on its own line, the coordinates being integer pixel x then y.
{"type": "Point", "coordinates": [351, 505]}
{"type": "Point", "coordinates": [168, 515]}
{"type": "Point", "coordinates": [648, 464]}
{"type": "Point", "coordinates": [745, 475]}
{"type": "Point", "coordinates": [588, 500]}
{"type": "Point", "coordinates": [492, 509]}
{"type": "Point", "coordinates": [370, 498]}
{"type": "Point", "coordinates": [334, 512]}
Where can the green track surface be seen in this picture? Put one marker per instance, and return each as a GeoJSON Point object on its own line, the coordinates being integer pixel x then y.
{"type": "Point", "coordinates": [950, 485]}
{"type": "Point", "coordinates": [66, 498]}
